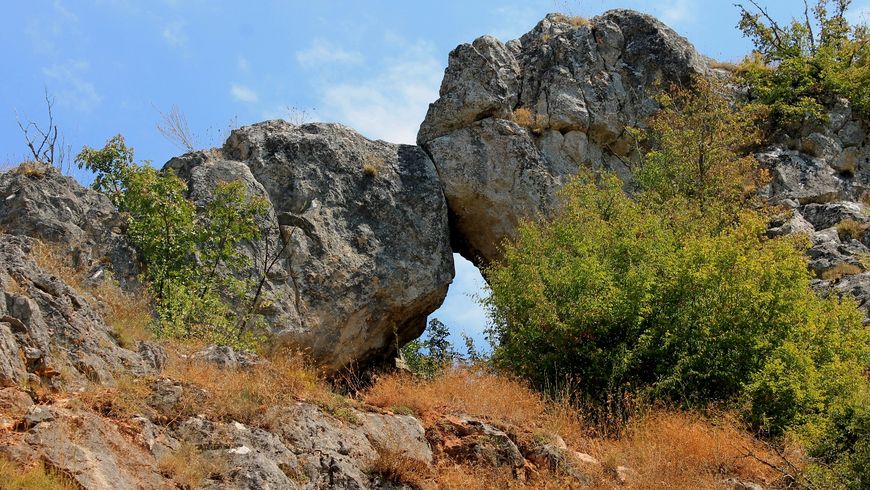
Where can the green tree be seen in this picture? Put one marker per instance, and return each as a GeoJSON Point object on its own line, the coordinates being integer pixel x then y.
{"type": "Point", "coordinates": [799, 68]}
{"type": "Point", "coordinates": [192, 259]}
{"type": "Point", "coordinates": [428, 356]}
{"type": "Point", "coordinates": [697, 151]}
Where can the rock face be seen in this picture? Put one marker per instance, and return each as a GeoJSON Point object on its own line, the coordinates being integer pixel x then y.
{"type": "Point", "coordinates": [821, 172]}
{"type": "Point", "coordinates": [38, 201]}
{"type": "Point", "coordinates": [365, 222]}
{"type": "Point", "coordinates": [49, 329]}
{"type": "Point", "coordinates": [515, 120]}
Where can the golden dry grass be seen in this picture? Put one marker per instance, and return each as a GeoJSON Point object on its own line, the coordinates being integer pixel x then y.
{"type": "Point", "coordinates": [127, 314]}
{"type": "Point", "coordinates": [728, 66]}
{"type": "Point", "coordinates": [572, 20]}
{"type": "Point", "coordinates": [187, 467]}
{"type": "Point", "coordinates": [478, 393]}
{"type": "Point", "coordinates": [33, 477]}
{"type": "Point", "coordinates": [529, 120]}
{"type": "Point", "coordinates": [246, 394]}
{"type": "Point", "coordinates": [850, 229]}
{"type": "Point", "coordinates": [666, 448]}
{"type": "Point", "coordinates": [674, 449]}
{"type": "Point", "coordinates": [372, 165]}
{"type": "Point", "coordinates": [840, 270]}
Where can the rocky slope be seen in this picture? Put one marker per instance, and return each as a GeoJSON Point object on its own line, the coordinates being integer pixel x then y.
{"type": "Point", "coordinates": [368, 228]}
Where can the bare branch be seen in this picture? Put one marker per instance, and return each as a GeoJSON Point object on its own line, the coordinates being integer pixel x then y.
{"type": "Point", "coordinates": [809, 27]}
{"type": "Point", "coordinates": [173, 126]}
{"type": "Point", "coordinates": [42, 143]}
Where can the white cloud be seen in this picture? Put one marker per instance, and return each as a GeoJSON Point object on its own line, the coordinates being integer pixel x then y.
{"type": "Point", "coordinates": [675, 12]}
{"type": "Point", "coordinates": [62, 11]}
{"type": "Point", "coordinates": [174, 34]}
{"type": "Point", "coordinates": [244, 94]}
{"type": "Point", "coordinates": [392, 103]}
{"type": "Point", "coordinates": [322, 51]}
{"type": "Point", "coordinates": [72, 89]}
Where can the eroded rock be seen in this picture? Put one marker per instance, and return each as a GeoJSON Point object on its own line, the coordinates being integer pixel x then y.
{"type": "Point", "coordinates": [365, 223]}
{"type": "Point", "coordinates": [578, 86]}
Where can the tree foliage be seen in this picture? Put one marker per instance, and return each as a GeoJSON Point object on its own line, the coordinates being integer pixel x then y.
{"type": "Point", "coordinates": [676, 294]}
{"type": "Point", "coordinates": [191, 257]}
{"type": "Point", "coordinates": [799, 68]}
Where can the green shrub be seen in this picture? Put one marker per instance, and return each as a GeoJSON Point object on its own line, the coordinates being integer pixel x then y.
{"type": "Point", "coordinates": [799, 68]}
{"type": "Point", "coordinates": [675, 294]}
{"type": "Point", "coordinates": [191, 257]}
{"type": "Point", "coordinates": [427, 356]}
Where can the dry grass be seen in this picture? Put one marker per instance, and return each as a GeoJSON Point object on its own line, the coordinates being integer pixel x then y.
{"type": "Point", "coordinates": [245, 394]}
{"type": "Point", "coordinates": [666, 448]}
{"type": "Point", "coordinates": [393, 467]}
{"type": "Point", "coordinates": [372, 165]}
{"type": "Point", "coordinates": [481, 394]}
{"type": "Point", "coordinates": [840, 270]}
{"type": "Point", "coordinates": [573, 20]}
{"type": "Point", "coordinates": [529, 120]}
{"type": "Point", "coordinates": [187, 467]}
{"type": "Point", "coordinates": [672, 449]}
{"type": "Point", "coordinates": [34, 170]}
{"type": "Point", "coordinates": [728, 66]}
{"type": "Point", "coordinates": [127, 314]}
{"type": "Point", "coordinates": [34, 477]}
{"type": "Point", "coordinates": [850, 229]}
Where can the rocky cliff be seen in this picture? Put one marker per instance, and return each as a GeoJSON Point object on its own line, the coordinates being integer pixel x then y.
{"type": "Point", "coordinates": [361, 234]}
{"type": "Point", "coordinates": [514, 120]}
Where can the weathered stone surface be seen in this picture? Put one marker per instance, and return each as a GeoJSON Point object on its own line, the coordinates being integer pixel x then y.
{"type": "Point", "coordinates": [796, 223]}
{"type": "Point", "coordinates": [401, 434]}
{"type": "Point", "coordinates": [226, 357]}
{"type": "Point", "coordinates": [465, 439]}
{"type": "Point", "coordinates": [250, 458]}
{"type": "Point", "coordinates": [38, 201]}
{"type": "Point", "coordinates": [802, 178]}
{"type": "Point", "coordinates": [92, 451]}
{"type": "Point", "coordinates": [368, 255]}
{"type": "Point", "coordinates": [46, 326]}
{"type": "Point", "coordinates": [823, 216]}
{"type": "Point", "coordinates": [582, 85]}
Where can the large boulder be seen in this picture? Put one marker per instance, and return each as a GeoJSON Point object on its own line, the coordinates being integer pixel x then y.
{"type": "Point", "coordinates": [367, 253]}
{"type": "Point", "coordinates": [515, 120]}
{"type": "Point", "coordinates": [38, 201]}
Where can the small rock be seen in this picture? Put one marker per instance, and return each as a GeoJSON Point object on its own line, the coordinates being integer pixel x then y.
{"type": "Point", "coordinates": [153, 355]}
{"type": "Point", "coordinates": [624, 474]}
{"type": "Point", "coordinates": [38, 414]}
{"type": "Point", "coordinates": [14, 401]}
{"type": "Point", "coordinates": [227, 357]}
{"type": "Point", "coordinates": [586, 458]}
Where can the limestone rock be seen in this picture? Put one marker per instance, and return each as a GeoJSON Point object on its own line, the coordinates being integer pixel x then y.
{"type": "Point", "coordinates": [823, 216]}
{"type": "Point", "coordinates": [94, 452]}
{"type": "Point", "coordinates": [580, 87]}
{"type": "Point", "coordinates": [47, 326]}
{"type": "Point", "coordinates": [365, 222]}
{"type": "Point", "coordinates": [38, 201]}
{"type": "Point", "coordinates": [250, 458]}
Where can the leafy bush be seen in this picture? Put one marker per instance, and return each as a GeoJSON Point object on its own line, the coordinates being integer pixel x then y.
{"type": "Point", "coordinates": [676, 294]}
{"type": "Point", "coordinates": [799, 68]}
{"type": "Point", "coordinates": [191, 257]}
{"type": "Point", "coordinates": [426, 357]}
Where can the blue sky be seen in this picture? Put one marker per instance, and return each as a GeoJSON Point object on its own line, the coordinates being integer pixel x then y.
{"type": "Point", "coordinates": [113, 65]}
